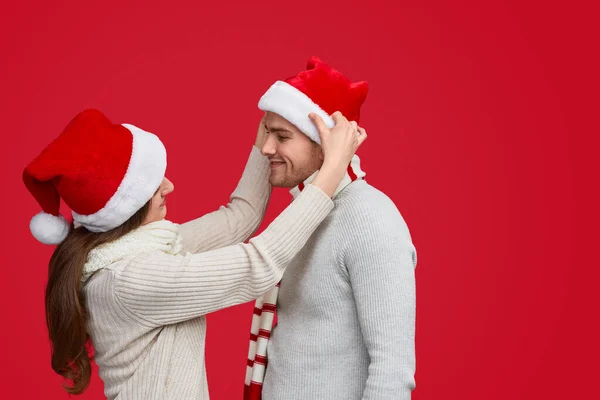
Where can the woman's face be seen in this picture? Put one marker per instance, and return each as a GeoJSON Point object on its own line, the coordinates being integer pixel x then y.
{"type": "Point", "coordinates": [158, 203]}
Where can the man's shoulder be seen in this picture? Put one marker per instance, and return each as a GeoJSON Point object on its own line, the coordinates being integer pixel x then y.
{"type": "Point", "coordinates": [362, 207]}
{"type": "Point", "coordinates": [365, 216]}
{"type": "Point", "coordinates": [362, 198]}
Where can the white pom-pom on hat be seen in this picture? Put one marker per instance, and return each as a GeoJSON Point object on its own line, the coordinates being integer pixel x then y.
{"type": "Point", "coordinates": [48, 228]}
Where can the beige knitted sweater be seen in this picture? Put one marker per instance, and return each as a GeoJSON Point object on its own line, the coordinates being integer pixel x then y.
{"type": "Point", "coordinates": [147, 309]}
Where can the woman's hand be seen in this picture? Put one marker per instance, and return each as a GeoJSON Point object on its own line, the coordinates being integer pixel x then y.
{"type": "Point", "coordinates": [339, 145]}
{"type": "Point", "coordinates": [261, 135]}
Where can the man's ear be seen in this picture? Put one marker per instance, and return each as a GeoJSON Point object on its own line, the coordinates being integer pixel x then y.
{"type": "Point", "coordinates": [321, 155]}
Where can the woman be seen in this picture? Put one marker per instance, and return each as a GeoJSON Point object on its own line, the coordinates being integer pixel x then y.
{"type": "Point", "coordinates": [140, 286]}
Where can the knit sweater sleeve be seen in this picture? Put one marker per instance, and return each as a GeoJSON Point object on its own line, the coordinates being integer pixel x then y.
{"type": "Point", "coordinates": [240, 218]}
{"type": "Point", "coordinates": [380, 260]}
{"type": "Point", "coordinates": [164, 289]}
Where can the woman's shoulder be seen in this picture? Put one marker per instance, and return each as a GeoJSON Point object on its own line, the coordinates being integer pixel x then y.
{"type": "Point", "coordinates": [99, 271]}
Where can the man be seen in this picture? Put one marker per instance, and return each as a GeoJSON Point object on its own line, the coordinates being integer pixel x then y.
{"type": "Point", "coordinates": [346, 303]}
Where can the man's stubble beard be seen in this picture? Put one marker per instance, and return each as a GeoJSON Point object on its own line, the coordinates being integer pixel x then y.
{"type": "Point", "coordinates": [298, 177]}
{"type": "Point", "coordinates": [290, 181]}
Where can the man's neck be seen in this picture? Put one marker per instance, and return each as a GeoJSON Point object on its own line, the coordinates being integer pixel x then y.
{"type": "Point", "coordinates": [353, 173]}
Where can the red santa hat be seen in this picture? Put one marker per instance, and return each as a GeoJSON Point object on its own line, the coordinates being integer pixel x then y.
{"type": "Point", "coordinates": [319, 89]}
{"type": "Point", "coordinates": [103, 171]}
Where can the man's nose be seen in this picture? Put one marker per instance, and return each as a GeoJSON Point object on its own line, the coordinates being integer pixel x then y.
{"type": "Point", "coordinates": [268, 148]}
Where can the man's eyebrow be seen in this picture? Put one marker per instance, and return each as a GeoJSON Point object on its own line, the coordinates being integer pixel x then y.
{"type": "Point", "coordinates": [277, 129]}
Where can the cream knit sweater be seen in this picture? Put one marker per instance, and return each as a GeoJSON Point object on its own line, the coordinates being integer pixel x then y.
{"type": "Point", "coordinates": [147, 310]}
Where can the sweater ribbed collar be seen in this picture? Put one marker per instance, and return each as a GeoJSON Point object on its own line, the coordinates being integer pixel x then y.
{"type": "Point", "coordinates": [160, 235]}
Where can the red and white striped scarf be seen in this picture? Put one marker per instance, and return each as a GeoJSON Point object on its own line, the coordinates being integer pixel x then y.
{"type": "Point", "coordinates": [266, 305]}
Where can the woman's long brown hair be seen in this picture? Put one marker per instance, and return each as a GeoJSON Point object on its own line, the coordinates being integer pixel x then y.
{"type": "Point", "coordinates": [66, 313]}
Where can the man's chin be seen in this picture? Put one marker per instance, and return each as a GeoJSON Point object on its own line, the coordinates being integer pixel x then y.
{"type": "Point", "coordinates": [280, 183]}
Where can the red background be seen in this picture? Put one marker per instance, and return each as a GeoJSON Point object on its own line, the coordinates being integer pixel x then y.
{"type": "Point", "coordinates": [479, 129]}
